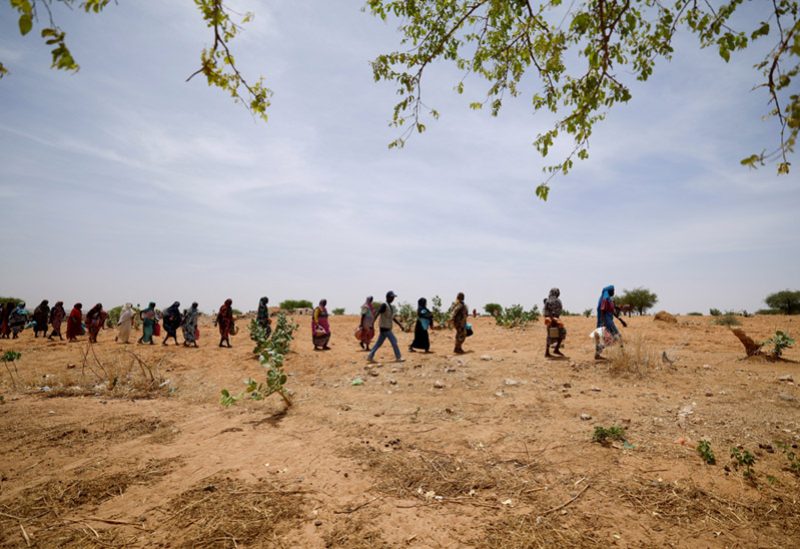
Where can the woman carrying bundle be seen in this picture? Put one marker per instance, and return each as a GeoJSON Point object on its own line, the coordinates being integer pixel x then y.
{"type": "Point", "coordinates": [320, 328]}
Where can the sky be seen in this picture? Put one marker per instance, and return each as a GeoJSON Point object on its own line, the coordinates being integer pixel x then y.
{"type": "Point", "coordinates": [123, 182]}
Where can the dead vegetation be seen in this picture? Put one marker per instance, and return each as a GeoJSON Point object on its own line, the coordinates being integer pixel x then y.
{"type": "Point", "coordinates": [73, 436]}
{"type": "Point", "coordinates": [532, 531]}
{"type": "Point", "coordinates": [47, 512]}
{"type": "Point", "coordinates": [695, 510]}
{"type": "Point", "coordinates": [635, 359]}
{"type": "Point", "coordinates": [438, 477]}
{"type": "Point", "coordinates": [223, 512]}
{"type": "Point", "coordinates": [355, 533]}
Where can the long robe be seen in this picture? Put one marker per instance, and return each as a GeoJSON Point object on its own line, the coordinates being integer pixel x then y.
{"type": "Point", "coordinates": [40, 315]}
{"type": "Point", "coordinates": [74, 328]}
{"type": "Point", "coordinates": [148, 317]}
{"type": "Point", "coordinates": [57, 314]}
{"type": "Point", "coordinates": [422, 339]}
{"type": "Point", "coordinates": [124, 325]}
{"type": "Point", "coordinates": [320, 328]}
{"type": "Point", "coordinates": [190, 325]}
{"type": "Point", "coordinates": [225, 320]}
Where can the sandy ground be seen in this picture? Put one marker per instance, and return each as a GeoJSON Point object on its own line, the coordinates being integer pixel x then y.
{"type": "Point", "coordinates": [490, 449]}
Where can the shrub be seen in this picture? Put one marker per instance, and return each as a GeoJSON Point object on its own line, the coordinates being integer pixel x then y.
{"type": "Point", "coordinates": [516, 316]}
{"type": "Point", "coordinates": [705, 451]}
{"type": "Point", "coordinates": [588, 312]}
{"type": "Point", "coordinates": [714, 312]}
{"type": "Point", "coordinates": [14, 300]}
{"type": "Point", "coordinates": [743, 458]}
{"type": "Point", "coordinates": [780, 342]}
{"type": "Point", "coordinates": [292, 304]}
{"type": "Point", "coordinates": [493, 309]}
{"type": "Point", "coordinates": [605, 436]}
{"type": "Point", "coordinates": [406, 315]}
{"type": "Point", "coordinates": [694, 313]}
{"type": "Point", "coordinates": [768, 312]}
{"type": "Point", "coordinates": [728, 319]}
{"type": "Point", "coordinates": [271, 354]}
{"type": "Point", "coordinates": [338, 311]}
{"type": "Point", "coordinates": [441, 317]}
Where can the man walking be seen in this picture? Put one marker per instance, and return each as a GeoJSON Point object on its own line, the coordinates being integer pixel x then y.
{"type": "Point", "coordinates": [460, 313]}
{"type": "Point", "coordinates": [385, 319]}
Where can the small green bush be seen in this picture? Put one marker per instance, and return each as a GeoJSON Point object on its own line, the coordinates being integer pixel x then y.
{"type": "Point", "coordinates": [780, 342]}
{"type": "Point", "coordinates": [694, 313]}
{"type": "Point", "coordinates": [705, 451]}
{"type": "Point", "coordinates": [339, 311]}
{"type": "Point", "coordinates": [292, 304]}
{"type": "Point", "coordinates": [728, 319]}
{"type": "Point", "coordinates": [714, 312]}
{"type": "Point", "coordinates": [493, 309]}
{"type": "Point", "coordinates": [604, 435]}
{"type": "Point", "coordinates": [516, 316]}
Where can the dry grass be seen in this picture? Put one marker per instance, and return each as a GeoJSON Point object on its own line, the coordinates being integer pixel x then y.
{"type": "Point", "coordinates": [635, 359]}
{"type": "Point", "coordinates": [125, 375]}
{"type": "Point", "coordinates": [692, 508]}
{"type": "Point", "coordinates": [43, 510]}
{"type": "Point", "coordinates": [433, 476]}
{"type": "Point", "coordinates": [224, 512]}
{"type": "Point", "coordinates": [353, 533]}
{"type": "Point", "coordinates": [533, 532]}
{"type": "Point", "coordinates": [72, 436]}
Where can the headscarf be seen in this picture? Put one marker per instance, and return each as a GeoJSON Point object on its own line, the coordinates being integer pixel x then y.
{"type": "Point", "coordinates": [605, 296]}
{"type": "Point", "coordinates": [126, 314]}
{"type": "Point", "coordinates": [263, 309]}
{"type": "Point", "coordinates": [552, 305]}
{"type": "Point", "coordinates": [421, 304]}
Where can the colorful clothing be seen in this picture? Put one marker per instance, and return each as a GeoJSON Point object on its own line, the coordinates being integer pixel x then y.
{"type": "Point", "coordinates": [57, 314]}
{"type": "Point", "coordinates": [605, 320]}
{"type": "Point", "coordinates": [225, 319]}
{"type": "Point", "coordinates": [552, 311]}
{"type": "Point", "coordinates": [125, 323]}
{"type": "Point", "coordinates": [95, 321]}
{"type": "Point", "coordinates": [148, 317]}
{"type": "Point", "coordinates": [366, 329]}
{"type": "Point", "coordinates": [17, 320]}
{"type": "Point", "coordinates": [40, 316]}
{"type": "Point", "coordinates": [320, 328]}
{"type": "Point", "coordinates": [75, 323]}
{"type": "Point", "coordinates": [386, 318]}
{"type": "Point", "coordinates": [5, 327]}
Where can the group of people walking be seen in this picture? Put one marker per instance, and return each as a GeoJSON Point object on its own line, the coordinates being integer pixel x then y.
{"type": "Point", "coordinates": [386, 317]}
{"type": "Point", "coordinates": [14, 318]}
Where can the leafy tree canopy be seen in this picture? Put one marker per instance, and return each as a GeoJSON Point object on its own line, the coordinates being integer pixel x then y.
{"type": "Point", "coordinates": [640, 299]}
{"type": "Point", "coordinates": [785, 301]}
{"type": "Point", "coordinates": [292, 304]}
{"type": "Point", "coordinates": [575, 61]}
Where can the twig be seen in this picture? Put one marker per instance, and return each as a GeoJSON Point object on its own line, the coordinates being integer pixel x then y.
{"type": "Point", "coordinates": [356, 508]}
{"type": "Point", "coordinates": [114, 521]}
{"type": "Point", "coordinates": [15, 517]}
{"type": "Point", "coordinates": [554, 509]}
{"type": "Point", "coordinates": [25, 535]}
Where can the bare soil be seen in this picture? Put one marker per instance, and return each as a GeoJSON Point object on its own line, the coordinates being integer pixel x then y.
{"type": "Point", "coordinates": [128, 445]}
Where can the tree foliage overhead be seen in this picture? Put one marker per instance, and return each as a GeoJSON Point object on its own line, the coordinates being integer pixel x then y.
{"type": "Point", "coordinates": [576, 61]}
{"type": "Point", "coordinates": [785, 301]}
{"type": "Point", "coordinates": [217, 63]}
{"type": "Point", "coordinates": [581, 58]}
{"type": "Point", "coordinates": [640, 299]}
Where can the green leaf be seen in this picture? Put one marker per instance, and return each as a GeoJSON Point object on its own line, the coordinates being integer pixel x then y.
{"type": "Point", "coordinates": [25, 23]}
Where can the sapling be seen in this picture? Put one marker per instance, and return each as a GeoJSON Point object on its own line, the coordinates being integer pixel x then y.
{"type": "Point", "coordinates": [780, 342]}
{"type": "Point", "coordinates": [705, 451]}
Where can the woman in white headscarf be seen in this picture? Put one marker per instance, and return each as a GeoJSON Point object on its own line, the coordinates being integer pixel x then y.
{"type": "Point", "coordinates": [124, 323]}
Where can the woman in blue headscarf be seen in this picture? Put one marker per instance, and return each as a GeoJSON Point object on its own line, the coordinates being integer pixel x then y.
{"type": "Point", "coordinates": [606, 311]}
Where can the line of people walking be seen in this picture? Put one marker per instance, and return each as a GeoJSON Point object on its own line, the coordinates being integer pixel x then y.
{"type": "Point", "coordinates": [14, 318]}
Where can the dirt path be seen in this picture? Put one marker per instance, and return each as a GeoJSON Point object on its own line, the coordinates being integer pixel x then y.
{"type": "Point", "coordinates": [484, 450]}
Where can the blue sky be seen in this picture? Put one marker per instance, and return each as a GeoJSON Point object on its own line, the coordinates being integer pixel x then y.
{"type": "Point", "coordinates": [125, 183]}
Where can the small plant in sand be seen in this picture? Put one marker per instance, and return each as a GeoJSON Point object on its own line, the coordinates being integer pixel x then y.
{"type": "Point", "coordinates": [271, 354]}
{"type": "Point", "coordinates": [793, 464]}
{"type": "Point", "coordinates": [743, 459]}
{"type": "Point", "coordinates": [779, 342]}
{"type": "Point", "coordinates": [634, 359]}
{"type": "Point", "coordinates": [516, 316]}
{"type": "Point", "coordinates": [604, 436]}
{"type": "Point", "coordinates": [9, 357]}
{"type": "Point", "coordinates": [705, 451]}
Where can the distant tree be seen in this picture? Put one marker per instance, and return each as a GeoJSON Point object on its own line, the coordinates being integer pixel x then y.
{"type": "Point", "coordinates": [493, 309]}
{"type": "Point", "coordinates": [588, 312]}
{"type": "Point", "coordinates": [694, 313]}
{"type": "Point", "coordinates": [714, 312]}
{"type": "Point", "coordinates": [14, 300]}
{"type": "Point", "coordinates": [236, 312]}
{"type": "Point", "coordinates": [786, 301]}
{"type": "Point", "coordinates": [441, 316]}
{"type": "Point", "coordinates": [338, 311]}
{"type": "Point", "coordinates": [292, 304]}
{"type": "Point", "coordinates": [640, 299]}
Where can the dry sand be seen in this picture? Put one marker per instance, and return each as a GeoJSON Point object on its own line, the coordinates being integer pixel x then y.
{"type": "Point", "coordinates": [498, 456]}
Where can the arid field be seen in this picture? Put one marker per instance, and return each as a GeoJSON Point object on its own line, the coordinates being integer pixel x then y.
{"type": "Point", "coordinates": [128, 445]}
